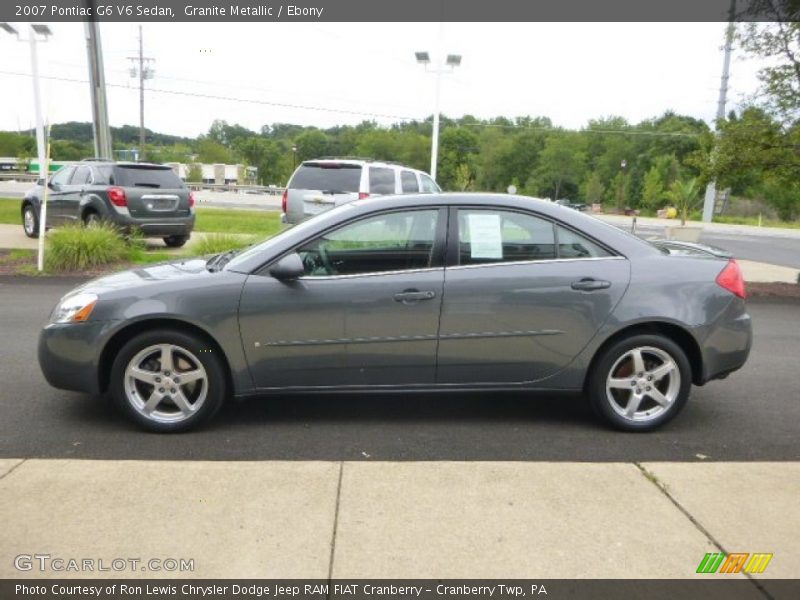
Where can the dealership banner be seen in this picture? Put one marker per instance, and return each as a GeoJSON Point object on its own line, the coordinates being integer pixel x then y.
{"type": "Point", "coordinates": [400, 589]}
{"type": "Point", "coordinates": [143, 11]}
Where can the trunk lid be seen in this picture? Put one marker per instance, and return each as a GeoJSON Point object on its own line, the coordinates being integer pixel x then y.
{"type": "Point", "coordinates": [153, 191]}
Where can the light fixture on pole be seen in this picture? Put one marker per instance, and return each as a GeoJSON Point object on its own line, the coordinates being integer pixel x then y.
{"type": "Point", "coordinates": [38, 33]}
{"type": "Point", "coordinates": [452, 61]}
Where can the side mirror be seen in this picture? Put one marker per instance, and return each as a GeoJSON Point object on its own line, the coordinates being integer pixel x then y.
{"type": "Point", "coordinates": [51, 185]}
{"type": "Point", "coordinates": [288, 268]}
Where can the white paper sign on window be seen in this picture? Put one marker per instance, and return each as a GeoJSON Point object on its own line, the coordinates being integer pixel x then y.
{"type": "Point", "coordinates": [485, 236]}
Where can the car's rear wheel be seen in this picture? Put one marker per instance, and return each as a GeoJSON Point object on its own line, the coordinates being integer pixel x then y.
{"type": "Point", "coordinates": [168, 381]}
{"type": "Point", "coordinates": [30, 221]}
{"type": "Point", "coordinates": [640, 383]}
{"type": "Point", "coordinates": [176, 241]}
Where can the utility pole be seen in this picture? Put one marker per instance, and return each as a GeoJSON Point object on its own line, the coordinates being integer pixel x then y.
{"type": "Point", "coordinates": [97, 81]}
{"type": "Point", "coordinates": [142, 71]}
{"type": "Point", "coordinates": [711, 189]}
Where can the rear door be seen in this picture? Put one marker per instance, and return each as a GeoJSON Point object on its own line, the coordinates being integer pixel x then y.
{"type": "Point", "coordinates": [523, 296]}
{"type": "Point", "coordinates": [318, 186]}
{"type": "Point", "coordinates": [153, 191]}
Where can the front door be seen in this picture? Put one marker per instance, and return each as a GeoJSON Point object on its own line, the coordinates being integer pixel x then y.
{"type": "Point", "coordinates": [59, 190]}
{"type": "Point", "coordinates": [366, 312]}
{"type": "Point", "coordinates": [523, 296]}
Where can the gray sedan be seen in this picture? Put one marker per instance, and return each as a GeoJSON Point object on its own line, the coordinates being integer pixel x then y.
{"type": "Point", "coordinates": [412, 293]}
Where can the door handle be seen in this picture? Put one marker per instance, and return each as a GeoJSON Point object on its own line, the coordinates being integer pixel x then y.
{"type": "Point", "coordinates": [587, 284]}
{"type": "Point", "coordinates": [409, 296]}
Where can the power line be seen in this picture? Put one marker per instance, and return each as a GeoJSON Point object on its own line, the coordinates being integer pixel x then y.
{"type": "Point", "coordinates": [368, 114]}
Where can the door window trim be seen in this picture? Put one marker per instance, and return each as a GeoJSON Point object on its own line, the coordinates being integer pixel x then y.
{"type": "Point", "coordinates": [452, 253]}
{"type": "Point", "coordinates": [438, 257]}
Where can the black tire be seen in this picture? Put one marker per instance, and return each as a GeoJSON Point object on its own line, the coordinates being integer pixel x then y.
{"type": "Point", "coordinates": [29, 212]}
{"type": "Point", "coordinates": [176, 241]}
{"type": "Point", "coordinates": [608, 403]}
{"type": "Point", "coordinates": [189, 349]}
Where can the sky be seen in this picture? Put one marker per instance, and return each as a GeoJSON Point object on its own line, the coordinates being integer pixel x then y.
{"type": "Point", "coordinates": [344, 73]}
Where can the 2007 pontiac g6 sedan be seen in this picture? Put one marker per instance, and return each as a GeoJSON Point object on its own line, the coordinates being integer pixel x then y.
{"type": "Point", "coordinates": [412, 293]}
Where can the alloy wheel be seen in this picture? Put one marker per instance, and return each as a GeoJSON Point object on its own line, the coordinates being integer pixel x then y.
{"type": "Point", "coordinates": [166, 383]}
{"type": "Point", "coordinates": [643, 384]}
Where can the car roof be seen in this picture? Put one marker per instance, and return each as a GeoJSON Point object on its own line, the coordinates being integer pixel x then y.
{"type": "Point", "coordinates": [359, 162]}
{"type": "Point", "coordinates": [619, 240]}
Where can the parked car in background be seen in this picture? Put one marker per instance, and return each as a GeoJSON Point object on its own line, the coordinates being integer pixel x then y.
{"type": "Point", "coordinates": [573, 205]}
{"type": "Point", "coordinates": [319, 185]}
{"type": "Point", "coordinates": [146, 196]}
{"type": "Point", "coordinates": [447, 292]}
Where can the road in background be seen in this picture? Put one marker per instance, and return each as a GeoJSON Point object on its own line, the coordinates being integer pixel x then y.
{"type": "Point", "coordinates": [752, 415]}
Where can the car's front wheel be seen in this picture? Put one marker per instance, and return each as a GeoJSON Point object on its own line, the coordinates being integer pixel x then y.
{"type": "Point", "coordinates": [168, 381]}
{"type": "Point", "coordinates": [30, 221]}
{"type": "Point", "coordinates": [641, 382]}
{"type": "Point", "coordinates": [176, 241]}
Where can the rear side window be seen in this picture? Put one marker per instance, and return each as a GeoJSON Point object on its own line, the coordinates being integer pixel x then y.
{"type": "Point", "coordinates": [574, 245]}
{"type": "Point", "coordinates": [408, 182]}
{"type": "Point", "coordinates": [146, 177]}
{"type": "Point", "coordinates": [428, 185]}
{"type": "Point", "coordinates": [489, 236]}
{"type": "Point", "coordinates": [333, 177]}
{"type": "Point", "coordinates": [381, 180]}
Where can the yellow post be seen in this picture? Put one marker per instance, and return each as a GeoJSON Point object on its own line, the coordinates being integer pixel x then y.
{"type": "Point", "coordinates": [43, 211]}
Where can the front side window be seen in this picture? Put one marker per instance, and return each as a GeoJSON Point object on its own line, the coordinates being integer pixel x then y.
{"type": "Point", "coordinates": [62, 176]}
{"type": "Point", "coordinates": [82, 176]}
{"type": "Point", "coordinates": [492, 236]}
{"type": "Point", "coordinates": [381, 180]}
{"type": "Point", "coordinates": [428, 185]}
{"type": "Point", "coordinates": [388, 242]}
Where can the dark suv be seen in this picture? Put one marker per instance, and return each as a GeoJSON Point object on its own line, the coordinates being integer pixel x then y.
{"type": "Point", "coordinates": [146, 196]}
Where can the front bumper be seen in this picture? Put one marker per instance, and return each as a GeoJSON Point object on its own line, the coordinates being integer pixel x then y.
{"type": "Point", "coordinates": [69, 357]}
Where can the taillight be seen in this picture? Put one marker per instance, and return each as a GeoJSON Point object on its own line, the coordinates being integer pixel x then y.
{"type": "Point", "coordinates": [285, 200]}
{"type": "Point", "coordinates": [363, 195]}
{"type": "Point", "coordinates": [191, 199]}
{"type": "Point", "coordinates": [117, 196]}
{"type": "Point", "coordinates": [731, 279]}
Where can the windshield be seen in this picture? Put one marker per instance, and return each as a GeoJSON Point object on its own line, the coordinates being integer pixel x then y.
{"type": "Point", "coordinates": [338, 177]}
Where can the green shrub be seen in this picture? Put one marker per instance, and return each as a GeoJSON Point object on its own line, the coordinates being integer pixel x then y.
{"type": "Point", "coordinates": [75, 247]}
{"type": "Point", "coordinates": [215, 243]}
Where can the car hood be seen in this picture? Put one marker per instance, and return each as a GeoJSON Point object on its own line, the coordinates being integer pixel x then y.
{"type": "Point", "coordinates": [194, 268]}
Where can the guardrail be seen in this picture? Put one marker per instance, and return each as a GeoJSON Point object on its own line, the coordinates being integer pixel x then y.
{"type": "Point", "coordinates": [12, 176]}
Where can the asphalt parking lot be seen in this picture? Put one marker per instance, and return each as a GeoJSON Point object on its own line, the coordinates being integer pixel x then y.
{"type": "Point", "coordinates": [752, 416]}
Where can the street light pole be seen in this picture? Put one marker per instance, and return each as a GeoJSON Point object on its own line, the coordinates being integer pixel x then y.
{"type": "Point", "coordinates": [453, 60]}
{"type": "Point", "coordinates": [42, 154]}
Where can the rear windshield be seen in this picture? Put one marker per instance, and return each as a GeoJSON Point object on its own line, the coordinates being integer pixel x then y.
{"type": "Point", "coordinates": [146, 177]}
{"type": "Point", "coordinates": [327, 177]}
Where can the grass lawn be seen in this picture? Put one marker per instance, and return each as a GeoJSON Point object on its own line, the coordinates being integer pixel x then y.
{"type": "Point", "coordinates": [10, 211]}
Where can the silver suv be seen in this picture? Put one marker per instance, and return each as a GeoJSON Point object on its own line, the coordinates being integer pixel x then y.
{"type": "Point", "coordinates": [319, 185]}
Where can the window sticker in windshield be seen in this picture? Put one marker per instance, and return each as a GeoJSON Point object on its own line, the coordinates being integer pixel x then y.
{"type": "Point", "coordinates": [485, 236]}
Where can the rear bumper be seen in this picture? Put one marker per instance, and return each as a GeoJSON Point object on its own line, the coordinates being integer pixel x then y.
{"type": "Point", "coordinates": [727, 347]}
{"type": "Point", "coordinates": [158, 227]}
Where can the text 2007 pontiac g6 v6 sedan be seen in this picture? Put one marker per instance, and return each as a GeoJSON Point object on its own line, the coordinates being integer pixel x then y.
{"type": "Point", "coordinates": [412, 293]}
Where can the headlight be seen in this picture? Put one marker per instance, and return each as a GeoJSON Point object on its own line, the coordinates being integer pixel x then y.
{"type": "Point", "coordinates": [74, 309]}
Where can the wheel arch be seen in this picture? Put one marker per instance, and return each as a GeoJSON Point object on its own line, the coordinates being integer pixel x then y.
{"type": "Point", "coordinates": [124, 335]}
{"type": "Point", "coordinates": [673, 332]}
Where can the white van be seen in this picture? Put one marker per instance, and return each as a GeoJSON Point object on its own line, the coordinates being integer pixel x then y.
{"type": "Point", "coordinates": [319, 185]}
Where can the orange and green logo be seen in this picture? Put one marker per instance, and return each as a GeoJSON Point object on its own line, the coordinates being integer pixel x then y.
{"type": "Point", "coordinates": [735, 562]}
